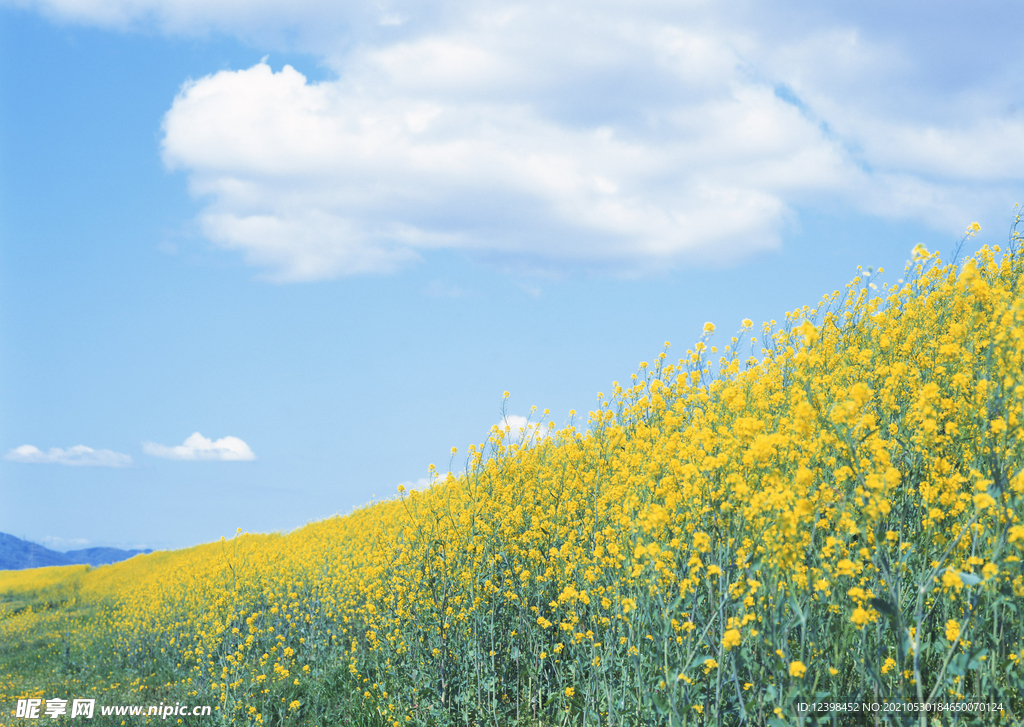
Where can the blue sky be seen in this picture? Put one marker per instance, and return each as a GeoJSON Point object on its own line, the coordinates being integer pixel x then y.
{"type": "Point", "coordinates": [328, 240]}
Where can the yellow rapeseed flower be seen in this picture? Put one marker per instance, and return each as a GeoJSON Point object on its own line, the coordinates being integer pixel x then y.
{"type": "Point", "coordinates": [860, 617]}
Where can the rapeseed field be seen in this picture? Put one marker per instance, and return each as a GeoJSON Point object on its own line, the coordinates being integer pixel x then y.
{"type": "Point", "coordinates": [826, 511]}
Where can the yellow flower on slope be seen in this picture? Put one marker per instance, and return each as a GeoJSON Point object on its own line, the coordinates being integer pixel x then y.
{"type": "Point", "coordinates": [860, 617]}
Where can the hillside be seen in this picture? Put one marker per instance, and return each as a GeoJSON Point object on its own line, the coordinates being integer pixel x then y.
{"type": "Point", "coordinates": [833, 517]}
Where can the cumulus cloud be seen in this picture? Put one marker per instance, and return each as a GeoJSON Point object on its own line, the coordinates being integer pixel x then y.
{"type": "Point", "coordinates": [79, 456]}
{"type": "Point", "coordinates": [627, 137]}
{"type": "Point", "coordinates": [226, 449]}
{"type": "Point", "coordinates": [316, 180]}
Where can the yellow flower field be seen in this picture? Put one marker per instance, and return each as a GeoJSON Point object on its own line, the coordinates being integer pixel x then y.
{"type": "Point", "coordinates": [827, 512]}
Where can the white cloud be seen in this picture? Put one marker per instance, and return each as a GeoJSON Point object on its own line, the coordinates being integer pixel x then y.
{"type": "Point", "coordinates": [79, 455]}
{"type": "Point", "coordinates": [418, 485]}
{"type": "Point", "coordinates": [520, 428]}
{"type": "Point", "coordinates": [319, 180]}
{"type": "Point", "coordinates": [63, 544]}
{"type": "Point", "coordinates": [629, 136]}
{"type": "Point", "coordinates": [199, 447]}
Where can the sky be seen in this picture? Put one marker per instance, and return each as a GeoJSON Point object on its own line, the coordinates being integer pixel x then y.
{"type": "Point", "coordinates": [261, 263]}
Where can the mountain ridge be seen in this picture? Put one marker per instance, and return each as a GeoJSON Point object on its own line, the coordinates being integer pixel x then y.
{"type": "Point", "coordinates": [18, 554]}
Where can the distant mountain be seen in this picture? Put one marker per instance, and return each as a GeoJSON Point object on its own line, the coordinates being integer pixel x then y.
{"type": "Point", "coordinates": [16, 554]}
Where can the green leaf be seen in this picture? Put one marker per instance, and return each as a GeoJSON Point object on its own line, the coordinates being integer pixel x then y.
{"type": "Point", "coordinates": [884, 607]}
{"type": "Point", "coordinates": [659, 702]}
{"type": "Point", "coordinates": [958, 666]}
{"type": "Point", "coordinates": [741, 663]}
{"type": "Point", "coordinates": [970, 579]}
{"type": "Point", "coordinates": [976, 659]}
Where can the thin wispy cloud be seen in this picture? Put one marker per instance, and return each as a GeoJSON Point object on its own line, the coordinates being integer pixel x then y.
{"type": "Point", "coordinates": [57, 543]}
{"type": "Point", "coordinates": [628, 138]}
{"type": "Point", "coordinates": [198, 447]}
{"type": "Point", "coordinates": [77, 456]}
